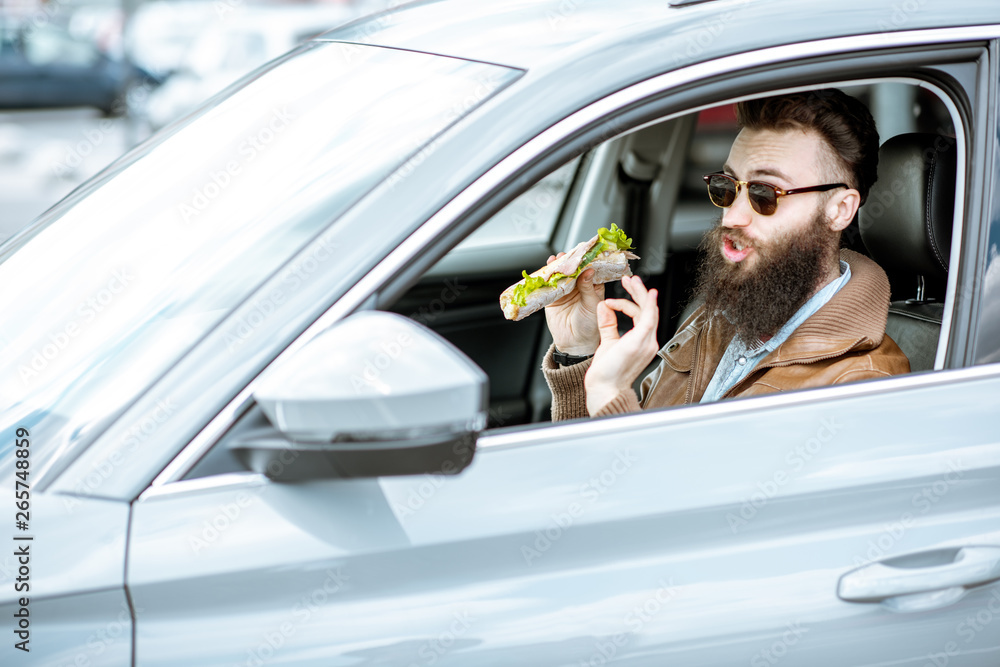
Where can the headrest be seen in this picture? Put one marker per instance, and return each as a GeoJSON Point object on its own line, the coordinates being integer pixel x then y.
{"type": "Point", "coordinates": [906, 222]}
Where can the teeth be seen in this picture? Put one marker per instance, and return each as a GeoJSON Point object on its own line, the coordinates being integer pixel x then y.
{"type": "Point", "coordinates": [738, 246]}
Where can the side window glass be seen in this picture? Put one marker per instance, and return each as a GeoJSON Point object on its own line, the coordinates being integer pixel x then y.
{"type": "Point", "coordinates": [532, 217]}
{"type": "Point", "coordinates": [714, 132]}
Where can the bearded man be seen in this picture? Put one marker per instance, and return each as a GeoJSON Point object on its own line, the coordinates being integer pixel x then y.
{"type": "Point", "coordinates": [784, 308]}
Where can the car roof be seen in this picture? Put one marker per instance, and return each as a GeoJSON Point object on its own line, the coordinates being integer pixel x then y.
{"type": "Point", "coordinates": [536, 33]}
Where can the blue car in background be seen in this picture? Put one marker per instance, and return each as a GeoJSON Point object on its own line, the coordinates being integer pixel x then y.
{"type": "Point", "coordinates": [45, 66]}
{"type": "Point", "coordinates": [259, 403]}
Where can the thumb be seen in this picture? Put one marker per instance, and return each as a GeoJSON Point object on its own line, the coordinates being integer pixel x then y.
{"type": "Point", "coordinates": [607, 323]}
{"type": "Point", "coordinates": [590, 294]}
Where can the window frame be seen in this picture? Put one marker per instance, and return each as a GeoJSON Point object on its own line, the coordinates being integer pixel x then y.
{"type": "Point", "coordinates": [838, 61]}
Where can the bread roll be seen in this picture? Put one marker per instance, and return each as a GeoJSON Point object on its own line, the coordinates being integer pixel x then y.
{"type": "Point", "coordinates": [609, 266]}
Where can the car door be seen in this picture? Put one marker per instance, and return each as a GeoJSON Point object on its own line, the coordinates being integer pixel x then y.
{"type": "Point", "coordinates": [847, 525]}
{"type": "Point", "coordinates": [62, 579]}
{"type": "Point", "coordinates": [706, 535]}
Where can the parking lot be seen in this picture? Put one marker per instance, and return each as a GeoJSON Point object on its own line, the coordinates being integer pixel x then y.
{"type": "Point", "coordinates": [45, 154]}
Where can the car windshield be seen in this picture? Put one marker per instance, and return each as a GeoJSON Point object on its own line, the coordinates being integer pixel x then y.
{"type": "Point", "coordinates": [111, 287]}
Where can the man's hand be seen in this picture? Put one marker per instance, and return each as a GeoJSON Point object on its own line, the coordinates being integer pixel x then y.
{"type": "Point", "coordinates": [620, 360]}
{"type": "Point", "coordinates": [572, 319]}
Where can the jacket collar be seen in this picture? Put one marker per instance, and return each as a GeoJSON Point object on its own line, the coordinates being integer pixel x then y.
{"type": "Point", "coordinates": [854, 318]}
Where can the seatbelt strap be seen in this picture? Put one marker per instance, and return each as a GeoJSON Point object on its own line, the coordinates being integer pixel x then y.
{"type": "Point", "coordinates": [636, 177]}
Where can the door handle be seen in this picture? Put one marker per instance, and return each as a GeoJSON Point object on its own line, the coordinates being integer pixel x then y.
{"type": "Point", "coordinates": [930, 578]}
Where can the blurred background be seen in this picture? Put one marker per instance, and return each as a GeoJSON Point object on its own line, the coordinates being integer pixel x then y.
{"type": "Point", "coordinates": [82, 81]}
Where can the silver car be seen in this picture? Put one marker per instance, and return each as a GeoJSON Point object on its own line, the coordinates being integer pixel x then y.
{"type": "Point", "coordinates": [260, 404]}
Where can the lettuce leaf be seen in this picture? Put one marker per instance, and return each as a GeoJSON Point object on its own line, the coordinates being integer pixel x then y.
{"type": "Point", "coordinates": [532, 283]}
{"type": "Point", "coordinates": [609, 239]}
{"type": "Point", "coordinates": [615, 237]}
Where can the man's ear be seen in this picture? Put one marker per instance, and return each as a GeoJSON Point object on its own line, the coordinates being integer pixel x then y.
{"type": "Point", "coordinates": [841, 207]}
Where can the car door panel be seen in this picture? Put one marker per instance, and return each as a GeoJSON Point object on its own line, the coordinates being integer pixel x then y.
{"type": "Point", "coordinates": [68, 566]}
{"type": "Point", "coordinates": [703, 535]}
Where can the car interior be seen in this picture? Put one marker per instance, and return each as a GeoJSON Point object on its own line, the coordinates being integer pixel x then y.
{"type": "Point", "coordinates": [649, 182]}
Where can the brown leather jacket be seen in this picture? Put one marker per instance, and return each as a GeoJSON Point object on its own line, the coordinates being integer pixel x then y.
{"type": "Point", "coordinates": [844, 341]}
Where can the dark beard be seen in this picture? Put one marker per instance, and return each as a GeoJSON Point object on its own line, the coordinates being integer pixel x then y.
{"type": "Point", "coordinates": [787, 272]}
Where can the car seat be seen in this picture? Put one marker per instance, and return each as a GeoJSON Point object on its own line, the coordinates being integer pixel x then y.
{"type": "Point", "coordinates": [906, 226]}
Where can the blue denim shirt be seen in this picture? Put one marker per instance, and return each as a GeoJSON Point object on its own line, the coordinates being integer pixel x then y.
{"type": "Point", "coordinates": [740, 359]}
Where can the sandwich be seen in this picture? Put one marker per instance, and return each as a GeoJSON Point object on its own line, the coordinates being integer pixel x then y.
{"type": "Point", "coordinates": [607, 253]}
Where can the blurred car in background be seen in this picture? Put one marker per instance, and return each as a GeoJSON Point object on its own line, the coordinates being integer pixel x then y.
{"type": "Point", "coordinates": [45, 66]}
{"type": "Point", "coordinates": [231, 45]}
{"type": "Point", "coordinates": [161, 33]}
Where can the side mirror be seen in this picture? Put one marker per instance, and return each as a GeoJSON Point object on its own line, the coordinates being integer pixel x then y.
{"type": "Point", "coordinates": [376, 394]}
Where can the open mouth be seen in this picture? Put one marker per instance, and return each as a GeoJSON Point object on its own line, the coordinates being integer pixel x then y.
{"type": "Point", "coordinates": [734, 251]}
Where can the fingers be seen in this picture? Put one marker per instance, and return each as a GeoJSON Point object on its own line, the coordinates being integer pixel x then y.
{"type": "Point", "coordinates": [646, 299]}
{"type": "Point", "coordinates": [645, 316]}
{"type": "Point", "coordinates": [649, 318]}
{"type": "Point", "coordinates": [630, 308]}
{"type": "Point", "coordinates": [590, 293]}
{"type": "Point", "coordinates": [633, 285]}
{"type": "Point", "coordinates": [607, 323]}
{"type": "Point", "coordinates": [553, 258]}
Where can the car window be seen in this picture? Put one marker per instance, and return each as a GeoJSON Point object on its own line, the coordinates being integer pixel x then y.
{"type": "Point", "coordinates": [531, 218]}
{"type": "Point", "coordinates": [472, 318]}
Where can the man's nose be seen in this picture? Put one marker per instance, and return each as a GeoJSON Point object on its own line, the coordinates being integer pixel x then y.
{"type": "Point", "coordinates": [740, 214]}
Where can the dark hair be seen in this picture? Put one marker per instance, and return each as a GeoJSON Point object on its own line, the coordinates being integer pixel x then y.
{"type": "Point", "coordinates": [844, 122]}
